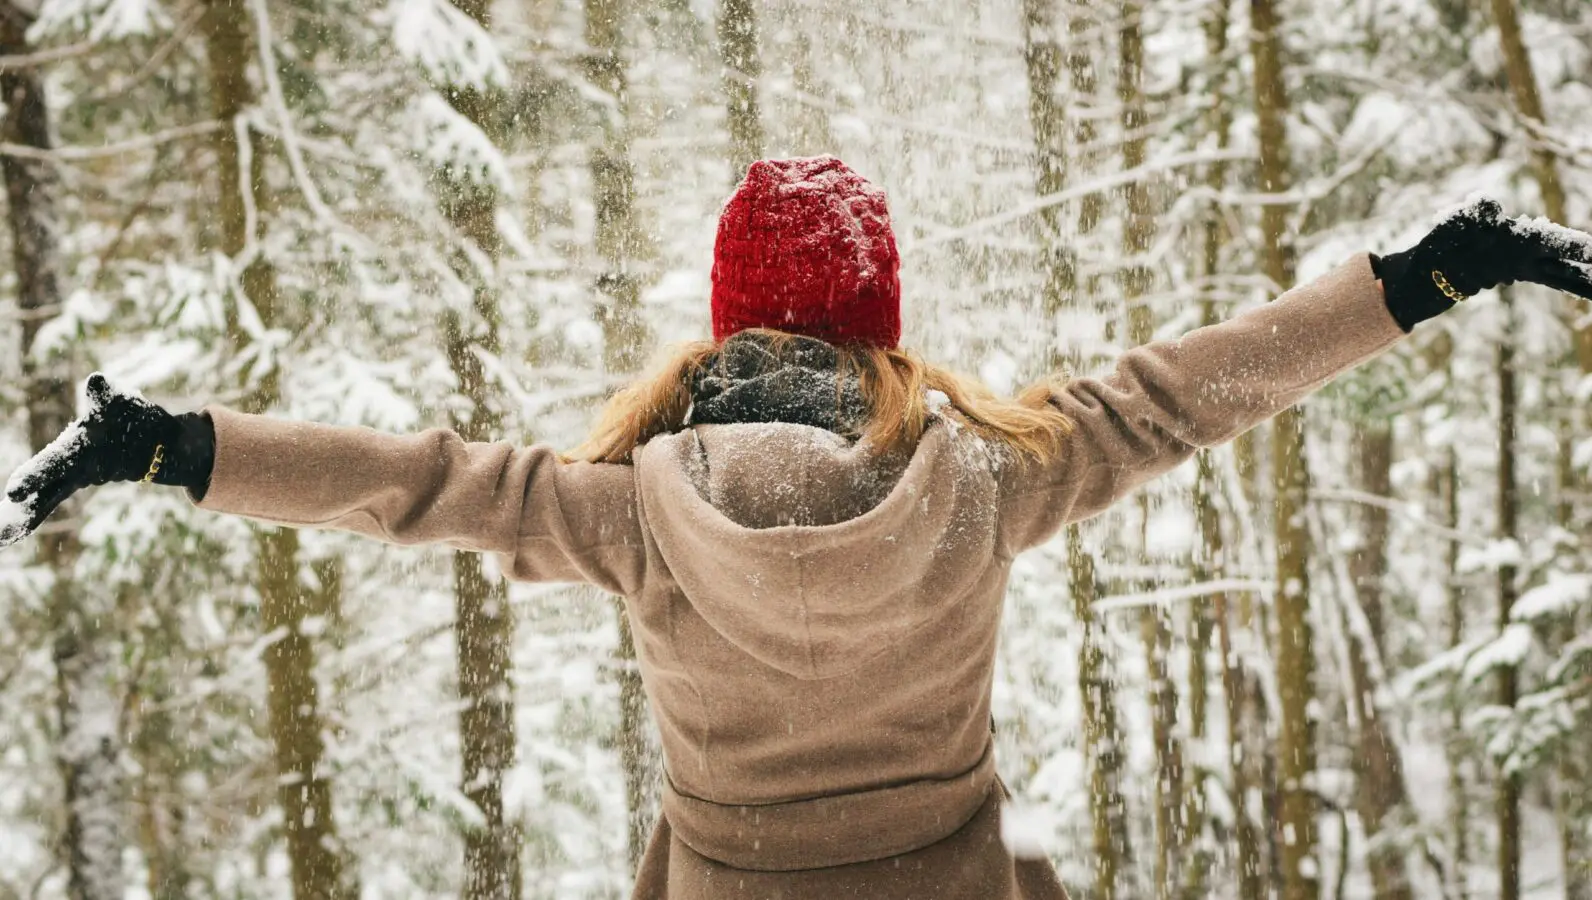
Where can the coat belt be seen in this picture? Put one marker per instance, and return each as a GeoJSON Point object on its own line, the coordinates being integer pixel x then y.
{"type": "Point", "coordinates": [833, 830]}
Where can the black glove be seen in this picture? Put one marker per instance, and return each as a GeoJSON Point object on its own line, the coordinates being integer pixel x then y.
{"type": "Point", "coordinates": [1474, 249]}
{"type": "Point", "coordinates": [123, 438]}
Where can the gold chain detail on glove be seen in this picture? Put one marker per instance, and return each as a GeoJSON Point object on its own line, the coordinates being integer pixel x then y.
{"type": "Point", "coordinates": [1448, 290]}
{"type": "Point", "coordinates": [154, 464]}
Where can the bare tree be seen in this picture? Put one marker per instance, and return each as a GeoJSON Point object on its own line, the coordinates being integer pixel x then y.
{"type": "Point", "coordinates": [1295, 652]}
{"type": "Point", "coordinates": [293, 697]}
{"type": "Point", "coordinates": [483, 624]}
{"type": "Point", "coordinates": [624, 341]}
{"type": "Point", "coordinates": [90, 743]}
{"type": "Point", "coordinates": [743, 66]}
{"type": "Point", "coordinates": [1572, 771]}
{"type": "Point", "coordinates": [1043, 59]}
{"type": "Point", "coordinates": [1380, 796]}
{"type": "Point", "coordinates": [1138, 234]}
{"type": "Point", "coordinates": [1507, 799]}
{"type": "Point", "coordinates": [1211, 557]}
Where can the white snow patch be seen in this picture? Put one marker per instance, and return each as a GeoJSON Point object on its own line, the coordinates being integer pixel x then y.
{"type": "Point", "coordinates": [452, 47]}
{"type": "Point", "coordinates": [1446, 663]}
{"type": "Point", "coordinates": [81, 312]}
{"type": "Point", "coordinates": [13, 522]}
{"type": "Point", "coordinates": [101, 19]}
{"type": "Point", "coordinates": [677, 286]}
{"type": "Point", "coordinates": [69, 441]}
{"type": "Point", "coordinates": [1169, 532]}
{"type": "Point", "coordinates": [1577, 245]}
{"type": "Point", "coordinates": [1000, 372]}
{"type": "Point", "coordinates": [1562, 593]}
{"type": "Point", "coordinates": [1025, 829]}
{"type": "Point", "coordinates": [1495, 555]}
{"type": "Point", "coordinates": [1508, 649]}
{"type": "Point", "coordinates": [12, 514]}
{"type": "Point", "coordinates": [453, 143]}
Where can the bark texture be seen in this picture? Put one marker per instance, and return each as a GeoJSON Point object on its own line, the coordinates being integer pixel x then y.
{"type": "Point", "coordinates": [624, 341]}
{"type": "Point", "coordinates": [1154, 622]}
{"type": "Point", "coordinates": [303, 789]}
{"type": "Point", "coordinates": [1243, 728]}
{"type": "Point", "coordinates": [483, 625]}
{"type": "Point", "coordinates": [1380, 797]}
{"type": "Point", "coordinates": [738, 49]}
{"type": "Point", "coordinates": [1507, 799]}
{"type": "Point", "coordinates": [1295, 647]}
{"type": "Point", "coordinates": [90, 745]}
{"type": "Point", "coordinates": [1571, 772]}
{"type": "Point", "coordinates": [1047, 115]}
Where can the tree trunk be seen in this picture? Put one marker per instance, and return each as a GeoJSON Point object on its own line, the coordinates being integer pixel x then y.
{"type": "Point", "coordinates": [303, 790]}
{"type": "Point", "coordinates": [613, 182]}
{"type": "Point", "coordinates": [1458, 788]}
{"type": "Point", "coordinates": [1085, 93]}
{"type": "Point", "coordinates": [1545, 169]}
{"type": "Point", "coordinates": [90, 742]}
{"type": "Point", "coordinates": [483, 624]}
{"type": "Point", "coordinates": [624, 341]}
{"type": "Point", "coordinates": [1508, 796]}
{"type": "Point", "coordinates": [1154, 625]}
{"type": "Point", "coordinates": [813, 134]}
{"type": "Point", "coordinates": [1238, 695]}
{"type": "Point", "coordinates": [1295, 642]}
{"type": "Point", "coordinates": [1523, 84]}
{"type": "Point", "coordinates": [1102, 735]}
{"type": "Point", "coordinates": [742, 69]}
{"type": "Point", "coordinates": [1379, 768]}
{"type": "Point", "coordinates": [1103, 739]}
{"type": "Point", "coordinates": [1047, 118]}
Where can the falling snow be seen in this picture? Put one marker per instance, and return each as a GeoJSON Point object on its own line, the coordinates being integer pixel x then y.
{"type": "Point", "coordinates": [369, 119]}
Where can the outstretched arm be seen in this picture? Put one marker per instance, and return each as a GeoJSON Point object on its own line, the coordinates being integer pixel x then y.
{"type": "Point", "coordinates": [1167, 399]}
{"type": "Point", "coordinates": [546, 520]}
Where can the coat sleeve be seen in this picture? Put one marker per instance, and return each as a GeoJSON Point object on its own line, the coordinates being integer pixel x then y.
{"type": "Point", "coordinates": [545, 519]}
{"type": "Point", "coordinates": [1167, 399]}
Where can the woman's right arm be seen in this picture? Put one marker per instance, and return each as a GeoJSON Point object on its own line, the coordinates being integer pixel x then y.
{"type": "Point", "coordinates": [547, 520]}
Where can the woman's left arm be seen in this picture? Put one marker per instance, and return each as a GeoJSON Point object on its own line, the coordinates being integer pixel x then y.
{"type": "Point", "coordinates": [1167, 399]}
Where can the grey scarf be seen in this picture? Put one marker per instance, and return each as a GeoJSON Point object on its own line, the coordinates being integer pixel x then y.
{"type": "Point", "coordinates": [747, 381]}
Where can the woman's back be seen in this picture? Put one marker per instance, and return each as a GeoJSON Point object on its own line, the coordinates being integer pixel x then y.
{"type": "Point", "coordinates": [848, 653]}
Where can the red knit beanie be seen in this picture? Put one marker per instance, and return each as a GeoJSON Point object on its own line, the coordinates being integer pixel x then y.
{"type": "Point", "coordinates": [805, 246]}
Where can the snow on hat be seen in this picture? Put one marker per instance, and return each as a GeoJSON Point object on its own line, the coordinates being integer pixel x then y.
{"type": "Point", "coordinates": [804, 246]}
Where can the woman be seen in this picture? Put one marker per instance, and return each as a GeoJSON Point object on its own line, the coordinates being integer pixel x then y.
{"type": "Point", "coordinates": [812, 530]}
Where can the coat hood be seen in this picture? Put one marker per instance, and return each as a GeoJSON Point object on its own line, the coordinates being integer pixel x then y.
{"type": "Point", "coordinates": [806, 551]}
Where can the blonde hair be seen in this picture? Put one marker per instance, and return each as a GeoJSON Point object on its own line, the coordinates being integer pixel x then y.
{"type": "Point", "coordinates": [894, 385]}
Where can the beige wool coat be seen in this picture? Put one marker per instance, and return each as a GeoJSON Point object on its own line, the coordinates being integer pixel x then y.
{"type": "Point", "coordinates": [816, 629]}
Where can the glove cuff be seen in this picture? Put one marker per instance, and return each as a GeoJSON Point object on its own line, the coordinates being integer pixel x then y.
{"type": "Point", "coordinates": [1411, 295]}
{"type": "Point", "coordinates": [189, 454]}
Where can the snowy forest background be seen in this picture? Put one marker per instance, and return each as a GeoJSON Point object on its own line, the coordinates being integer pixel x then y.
{"type": "Point", "coordinates": [486, 215]}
